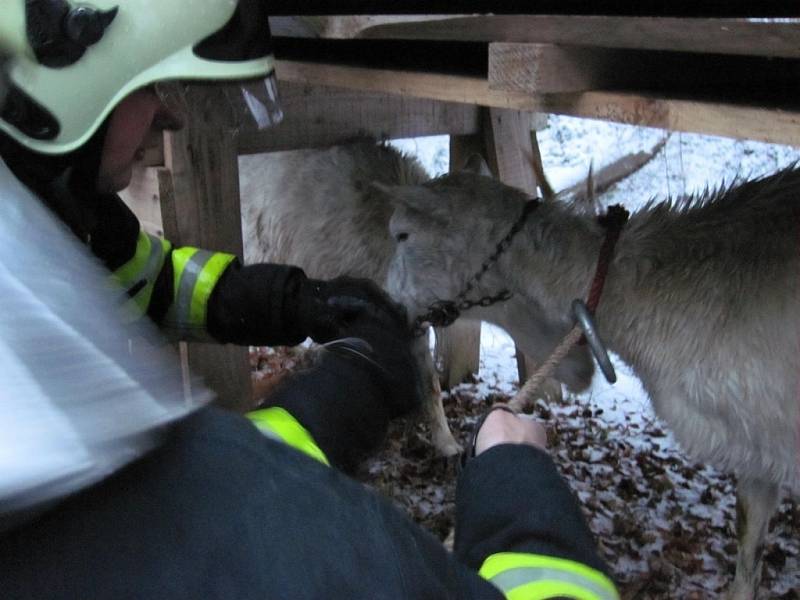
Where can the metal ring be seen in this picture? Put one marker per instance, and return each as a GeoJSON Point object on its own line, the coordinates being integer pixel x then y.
{"type": "Point", "coordinates": [584, 319]}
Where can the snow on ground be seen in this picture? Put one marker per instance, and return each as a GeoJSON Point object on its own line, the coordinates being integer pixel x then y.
{"type": "Point", "coordinates": [665, 524]}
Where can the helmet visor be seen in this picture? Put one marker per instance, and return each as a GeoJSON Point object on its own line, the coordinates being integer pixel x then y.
{"type": "Point", "coordinates": [243, 106]}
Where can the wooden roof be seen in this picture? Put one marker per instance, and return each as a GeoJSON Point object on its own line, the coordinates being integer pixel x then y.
{"type": "Point", "coordinates": [728, 76]}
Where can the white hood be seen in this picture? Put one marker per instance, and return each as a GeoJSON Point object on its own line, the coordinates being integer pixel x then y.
{"type": "Point", "coordinates": [81, 393]}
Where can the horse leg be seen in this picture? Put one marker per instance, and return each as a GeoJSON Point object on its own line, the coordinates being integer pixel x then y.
{"type": "Point", "coordinates": [441, 436]}
{"type": "Point", "coordinates": [756, 501]}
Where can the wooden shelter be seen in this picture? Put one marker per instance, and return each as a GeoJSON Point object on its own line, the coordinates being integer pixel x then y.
{"type": "Point", "coordinates": [729, 69]}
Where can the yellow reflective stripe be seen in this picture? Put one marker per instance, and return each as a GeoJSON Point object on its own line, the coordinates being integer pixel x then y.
{"type": "Point", "coordinates": [279, 424]}
{"type": "Point", "coordinates": [196, 272]}
{"type": "Point", "coordinates": [206, 281]}
{"type": "Point", "coordinates": [533, 577]}
{"type": "Point", "coordinates": [145, 265]}
{"type": "Point", "coordinates": [131, 271]}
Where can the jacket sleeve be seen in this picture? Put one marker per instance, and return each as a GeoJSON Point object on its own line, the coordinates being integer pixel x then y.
{"type": "Point", "coordinates": [195, 294]}
{"type": "Point", "coordinates": [519, 525]}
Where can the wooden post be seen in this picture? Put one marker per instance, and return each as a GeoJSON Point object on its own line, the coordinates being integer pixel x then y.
{"type": "Point", "coordinates": [202, 209]}
{"type": "Point", "coordinates": [510, 154]}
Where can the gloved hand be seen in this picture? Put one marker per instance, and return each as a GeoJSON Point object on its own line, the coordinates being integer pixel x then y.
{"type": "Point", "coordinates": [327, 309]}
{"type": "Point", "coordinates": [361, 380]}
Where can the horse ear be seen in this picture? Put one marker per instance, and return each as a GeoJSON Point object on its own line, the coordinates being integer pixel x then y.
{"type": "Point", "coordinates": [477, 164]}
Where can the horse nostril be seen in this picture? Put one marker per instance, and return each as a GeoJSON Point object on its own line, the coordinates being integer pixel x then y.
{"type": "Point", "coordinates": [401, 237]}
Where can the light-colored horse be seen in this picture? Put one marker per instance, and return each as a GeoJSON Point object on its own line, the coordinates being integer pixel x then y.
{"type": "Point", "coordinates": [702, 299]}
{"type": "Point", "coordinates": [317, 209]}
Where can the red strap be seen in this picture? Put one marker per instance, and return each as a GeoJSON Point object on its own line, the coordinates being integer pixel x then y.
{"type": "Point", "coordinates": [613, 221]}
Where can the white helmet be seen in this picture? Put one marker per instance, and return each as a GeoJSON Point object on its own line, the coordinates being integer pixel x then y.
{"type": "Point", "coordinates": [72, 63]}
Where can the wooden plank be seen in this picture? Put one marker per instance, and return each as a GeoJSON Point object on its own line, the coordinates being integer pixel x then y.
{"type": "Point", "coordinates": [509, 154]}
{"type": "Point", "coordinates": [204, 212]}
{"type": "Point", "coordinates": [550, 69]}
{"type": "Point", "coordinates": [338, 27]}
{"type": "Point", "coordinates": [322, 116]}
{"type": "Point", "coordinates": [638, 8]}
{"type": "Point", "coordinates": [319, 116]}
{"type": "Point", "coordinates": [767, 124]}
{"type": "Point", "coordinates": [449, 88]}
{"type": "Point", "coordinates": [509, 148]}
{"type": "Point", "coordinates": [719, 36]}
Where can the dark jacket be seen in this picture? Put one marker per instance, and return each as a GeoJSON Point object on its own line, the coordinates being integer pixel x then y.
{"type": "Point", "coordinates": [246, 305]}
{"type": "Point", "coordinates": [221, 511]}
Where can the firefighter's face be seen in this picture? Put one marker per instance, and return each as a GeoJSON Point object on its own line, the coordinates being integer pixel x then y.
{"type": "Point", "coordinates": [129, 125]}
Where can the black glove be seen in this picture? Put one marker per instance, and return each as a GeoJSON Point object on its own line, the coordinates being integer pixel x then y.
{"type": "Point", "coordinates": [275, 305]}
{"type": "Point", "coordinates": [327, 309]}
{"type": "Point", "coordinates": [257, 305]}
{"type": "Point", "coordinates": [356, 386]}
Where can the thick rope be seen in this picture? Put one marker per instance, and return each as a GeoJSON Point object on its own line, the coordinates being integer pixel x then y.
{"type": "Point", "coordinates": [525, 396]}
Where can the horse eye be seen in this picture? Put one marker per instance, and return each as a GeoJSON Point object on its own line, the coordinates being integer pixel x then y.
{"type": "Point", "coordinates": [401, 237]}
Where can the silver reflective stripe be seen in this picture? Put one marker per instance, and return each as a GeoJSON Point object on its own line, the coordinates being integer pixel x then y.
{"type": "Point", "coordinates": [189, 276]}
{"type": "Point", "coordinates": [270, 434]}
{"type": "Point", "coordinates": [153, 266]}
{"type": "Point", "coordinates": [513, 578]}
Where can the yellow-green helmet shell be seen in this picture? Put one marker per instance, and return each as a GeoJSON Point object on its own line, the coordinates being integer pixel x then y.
{"type": "Point", "coordinates": [147, 41]}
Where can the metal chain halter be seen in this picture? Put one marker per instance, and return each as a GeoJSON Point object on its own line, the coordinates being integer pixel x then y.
{"type": "Point", "coordinates": [444, 312]}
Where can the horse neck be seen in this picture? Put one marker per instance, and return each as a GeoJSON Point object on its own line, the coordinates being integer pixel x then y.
{"type": "Point", "coordinates": [554, 259]}
{"type": "Point", "coordinates": [554, 263]}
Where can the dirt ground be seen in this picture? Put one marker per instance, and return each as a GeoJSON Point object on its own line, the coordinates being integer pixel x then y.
{"type": "Point", "coordinates": [665, 525]}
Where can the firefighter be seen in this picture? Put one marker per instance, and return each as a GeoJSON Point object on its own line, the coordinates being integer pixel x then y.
{"type": "Point", "coordinates": [226, 506]}
{"type": "Point", "coordinates": [91, 87]}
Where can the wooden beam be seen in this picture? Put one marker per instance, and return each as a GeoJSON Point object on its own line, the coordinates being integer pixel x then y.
{"type": "Point", "coordinates": [202, 209]}
{"type": "Point", "coordinates": [767, 124]}
{"type": "Point", "coordinates": [322, 116]}
{"type": "Point", "coordinates": [719, 36]}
